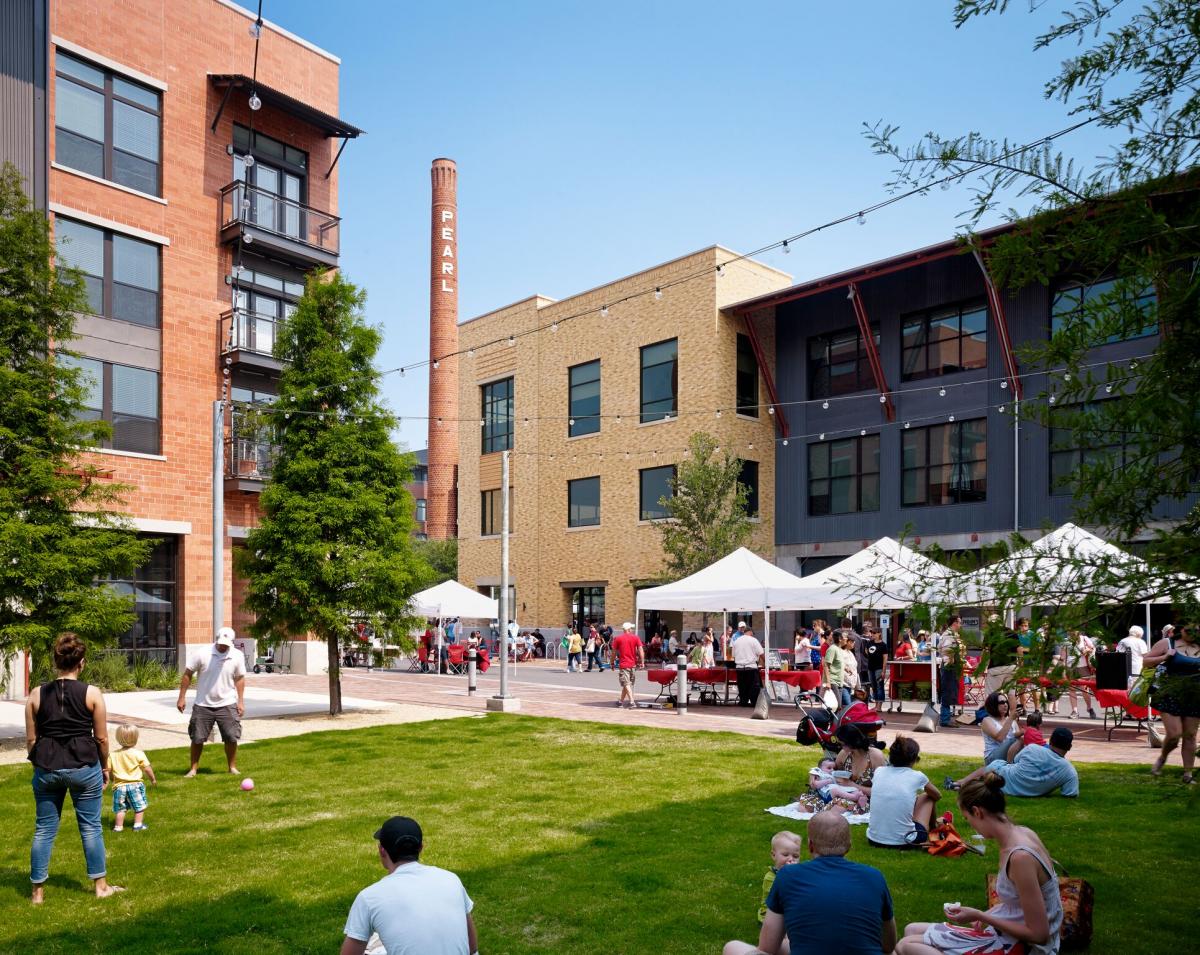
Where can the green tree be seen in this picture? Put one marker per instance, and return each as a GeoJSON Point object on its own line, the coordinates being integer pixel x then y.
{"type": "Point", "coordinates": [60, 526]}
{"type": "Point", "coordinates": [441, 559]}
{"type": "Point", "coordinates": [1127, 227]}
{"type": "Point", "coordinates": [706, 513]}
{"type": "Point", "coordinates": [334, 541]}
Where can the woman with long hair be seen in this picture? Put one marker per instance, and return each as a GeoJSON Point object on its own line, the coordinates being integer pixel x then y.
{"type": "Point", "coordinates": [1176, 695]}
{"type": "Point", "coordinates": [1028, 916]}
{"type": "Point", "coordinates": [66, 736]}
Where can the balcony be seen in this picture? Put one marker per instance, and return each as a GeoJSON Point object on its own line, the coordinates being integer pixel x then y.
{"type": "Point", "coordinates": [285, 228]}
{"type": "Point", "coordinates": [251, 452]}
{"type": "Point", "coordinates": [248, 341]}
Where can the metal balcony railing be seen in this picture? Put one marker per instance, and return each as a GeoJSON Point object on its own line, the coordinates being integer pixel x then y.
{"type": "Point", "coordinates": [245, 331]}
{"type": "Point", "coordinates": [252, 453]}
{"type": "Point", "coordinates": [250, 206]}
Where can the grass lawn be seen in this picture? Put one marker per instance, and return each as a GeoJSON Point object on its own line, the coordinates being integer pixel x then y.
{"type": "Point", "coordinates": [571, 838]}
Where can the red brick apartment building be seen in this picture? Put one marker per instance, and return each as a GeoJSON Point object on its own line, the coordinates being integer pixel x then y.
{"type": "Point", "coordinates": [194, 219]}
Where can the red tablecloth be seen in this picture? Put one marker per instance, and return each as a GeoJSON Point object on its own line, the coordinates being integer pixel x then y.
{"type": "Point", "coordinates": [799, 679]}
{"type": "Point", "coordinates": [912, 672]}
{"type": "Point", "coordinates": [1119, 699]}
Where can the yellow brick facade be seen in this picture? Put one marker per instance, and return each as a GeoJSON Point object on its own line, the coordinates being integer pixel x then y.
{"type": "Point", "coordinates": [546, 558]}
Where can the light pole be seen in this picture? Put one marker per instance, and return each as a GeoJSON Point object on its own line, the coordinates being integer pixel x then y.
{"type": "Point", "coordinates": [502, 701]}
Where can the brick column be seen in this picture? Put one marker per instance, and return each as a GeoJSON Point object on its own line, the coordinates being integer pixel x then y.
{"type": "Point", "coordinates": [442, 501]}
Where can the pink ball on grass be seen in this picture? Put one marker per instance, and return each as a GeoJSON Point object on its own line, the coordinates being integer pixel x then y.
{"type": "Point", "coordinates": [247, 784]}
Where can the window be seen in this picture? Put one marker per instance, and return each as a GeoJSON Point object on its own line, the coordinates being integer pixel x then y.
{"type": "Point", "coordinates": [583, 502]}
{"type": "Point", "coordinates": [587, 606]}
{"type": "Point", "coordinates": [420, 515]}
{"type": "Point", "coordinates": [126, 397]}
{"type": "Point", "coordinates": [660, 380]}
{"type": "Point", "coordinates": [1071, 450]}
{"type": "Point", "coordinates": [843, 476]}
{"type": "Point", "coordinates": [838, 363]}
{"type": "Point", "coordinates": [747, 378]}
{"type": "Point", "coordinates": [584, 402]}
{"type": "Point", "coordinates": [944, 464]}
{"type": "Point", "coordinates": [106, 125]}
{"type": "Point", "coordinates": [497, 415]}
{"type": "Point", "coordinates": [655, 484]}
{"type": "Point", "coordinates": [1080, 303]}
{"type": "Point", "coordinates": [153, 588]}
{"type": "Point", "coordinates": [491, 517]}
{"type": "Point", "coordinates": [121, 274]}
{"type": "Point", "coordinates": [277, 180]}
{"type": "Point", "coordinates": [944, 341]}
{"type": "Point", "coordinates": [748, 478]}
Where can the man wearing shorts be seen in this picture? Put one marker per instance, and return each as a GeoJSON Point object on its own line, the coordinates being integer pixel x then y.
{"type": "Point", "coordinates": [629, 653]}
{"type": "Point", "coordinates": [220, 672]}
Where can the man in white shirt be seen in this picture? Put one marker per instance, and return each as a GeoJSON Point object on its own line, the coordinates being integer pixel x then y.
{"type": "Point", "coordinates": [1136, 647]}
{"type": "Point", "coordinates": [415, 909]}
{"type": "Point", "coordinates": [220, 672]}
{"type": "Point", "coordinates": [748, 655]}
{"type": "Point", "coordinates": [949, 650]}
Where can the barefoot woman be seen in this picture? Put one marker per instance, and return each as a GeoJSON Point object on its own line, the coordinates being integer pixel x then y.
{"type": "Point", "coordinates": [66, 735]}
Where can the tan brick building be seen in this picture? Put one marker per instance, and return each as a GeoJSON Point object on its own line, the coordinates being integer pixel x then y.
{"type": "Point", "coordinates": [584, 485]}
{"type": "Point", "coordinates": [142, 125]}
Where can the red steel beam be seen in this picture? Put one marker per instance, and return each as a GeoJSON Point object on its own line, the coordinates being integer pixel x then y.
{"type": "Point", "coordinates": [993, 295]}
{"type": "Point", "coordinates": [768, 380]}
{"type": "Point", "coordinates": [864, 328]}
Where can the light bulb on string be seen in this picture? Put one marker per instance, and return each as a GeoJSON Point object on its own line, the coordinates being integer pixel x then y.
{"type": "Point", "coordinates": [470, 352]}
{"type": "Point", "coordinates": [254, 102]}
{"type": "Point", "coordinates": [750, 446]}
{"type": "Point", "coordinates": [941, 392]}
{"type": "Point", "coordinates": [571, 422]}
{"type": "Point", "coordinates": [862, 433]}
{"type": "Point", "coordinates": [907, 424]}
{"type": "Point", "coordinates": [786, 248]}
{"type": "Point", "coordinates": [720, 270]}
{"type": "Point", "coordinates": [604, 311]}
{"type": "Point", "coordinates": [658, 295]}
{"type": "Point", "coordinates": [1002, 409]}
{"type": "Point", "coordinates": [821, 437]}
{"type": "Point", "coordinates": [248, 239]}
{"type": "Point", "coordinates": [718, 412]}
{"type": "Point", "coordinates": [1108, 389]}
{"type": "Point", "coordinates": [436, 364]}
{"type": "Point", "coordinates": [483, 422]}
{"type": "Point", "coordinates": [770, 409]}
{"type": "Point", "coordinates": [554, 326]}
{"type": "Point", "coordinates": [883, 399]}
{"type": "Point", "coordinates": [1004, 384]}
{"type": "Point", "coordinates": [1053, 399]}
{"type": "Point", "coordinates": [952, 417]}
{"type": "Point", "coordinates": [255, 29]}
{"type": "Point", "coordinates": [401, 372]}
{"type": "Point", "coordinates": [512, 340]}
{"type": "Point", "coordinates": [248, 160]}
{"type": "Point", "coordinates": [825, 405]}
{"type": "Point", "coordinates": [785, 440]}
{"type": "Point", "coordinates": [862, 219]}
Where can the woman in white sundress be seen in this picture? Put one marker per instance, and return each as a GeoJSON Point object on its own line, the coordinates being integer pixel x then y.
{"type": "Point", "coordinates": [1027, 920]}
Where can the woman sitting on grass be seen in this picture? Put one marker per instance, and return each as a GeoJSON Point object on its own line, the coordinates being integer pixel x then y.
{"type": "Point", "coordinates": [903, 800]}
{"type": "Point", "coordinates": [1028, 917]}
{"type": "Point", "coordinates": [860, 759]}
{"type": "Point", "coordinates": [1001, 732]}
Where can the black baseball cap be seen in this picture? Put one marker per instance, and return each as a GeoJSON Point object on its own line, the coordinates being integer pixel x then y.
{"type": "Point", "coordinates": [1062, 738]}
{"type": "Point", "coordinates": [400, 836]}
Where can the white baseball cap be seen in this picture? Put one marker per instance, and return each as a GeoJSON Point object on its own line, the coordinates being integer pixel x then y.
{"type": "Point", "coordinates": [225, 637]}
{"type": "Point", "coordinates": [741, 624]}
{"type": "Point", "coordinates": [626, 625]}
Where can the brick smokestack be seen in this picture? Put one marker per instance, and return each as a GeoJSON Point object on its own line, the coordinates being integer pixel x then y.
{"type": "Point", "coordinates": [442, 493]}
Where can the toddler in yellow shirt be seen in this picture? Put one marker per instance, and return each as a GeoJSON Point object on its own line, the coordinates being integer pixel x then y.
{"type": "Point", "coordinates": [129, 792]}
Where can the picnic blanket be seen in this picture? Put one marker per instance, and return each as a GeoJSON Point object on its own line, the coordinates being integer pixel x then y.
{"type": "Point", "coordinates": [793, 811]}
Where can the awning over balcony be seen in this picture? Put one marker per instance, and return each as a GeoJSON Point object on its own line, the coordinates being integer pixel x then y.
{"type": "Point", "coordinates": [331, 126]}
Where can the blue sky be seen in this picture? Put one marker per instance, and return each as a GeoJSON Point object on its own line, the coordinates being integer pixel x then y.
{"type": "Point", "coordinates": [596, 139]}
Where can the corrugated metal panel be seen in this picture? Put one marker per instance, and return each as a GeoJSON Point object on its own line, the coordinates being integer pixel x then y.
{"type": "Point", "coordinates": [23, 44]}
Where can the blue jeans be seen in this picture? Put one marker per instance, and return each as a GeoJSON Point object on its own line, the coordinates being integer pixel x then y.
{"type": "Point", "coordinates": [844, 695]}
{"type": "Point", "coordinates": [877, 685]}
{"type": "Point", "coordinates": [86, 786]}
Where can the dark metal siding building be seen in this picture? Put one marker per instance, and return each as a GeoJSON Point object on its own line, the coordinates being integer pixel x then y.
{"type": "Point", "coordinates": [23, 46]}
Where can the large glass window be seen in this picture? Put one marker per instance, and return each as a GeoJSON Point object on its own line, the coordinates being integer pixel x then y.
{"type": "Point", "coordinates": [747, 378]}
{"type": "Point", "coordinates": [654, 485]}
{"type": "Point", "coordinates": [584, 401]}
{"type": "Point", "coordinates": [583, 502]}
{"type": "Point", "coordinates": [944, 341]}
{"type": "Point", "coordinates": [106, 125]}
{"type": "Point", "coordinates": [126, 397]}
{"type": "Point", "coordinates": [497, 415]}
{"type": "Point", "coordinates": [944, 464]}
{"type": "Point", "coordinates": [121, 274]}
{"type": "Point", "coordinates": [1070, 451]}
{"type": "Point", "coordinates": [491, 517]}
{"type": "Point", "coordinates": [153, 587]}
{"type": "Point", "coordinates": [278, 180]}
{"type": "Point", "coordinates": [587, 606]}
{"type": "Point", "coordinates": [843, 476]}
{"type": "Point", "coordinates": [748, 478]}
{"type": "Point", "coordinates": [838, 363]}
{"type": "Point", "coordinates": [1075, 303]}
{"type": "Point", "coordinates": [421, 510]}
{"type": "Point", "coordinates": [660, 380]}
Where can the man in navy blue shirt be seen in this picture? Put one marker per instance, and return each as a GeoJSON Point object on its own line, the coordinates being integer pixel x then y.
{"type": "Point", "coordinates": [828, 904]}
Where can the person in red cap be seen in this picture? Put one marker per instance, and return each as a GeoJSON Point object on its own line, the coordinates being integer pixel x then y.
{"type": "Point", "coordinates": [415, 909]}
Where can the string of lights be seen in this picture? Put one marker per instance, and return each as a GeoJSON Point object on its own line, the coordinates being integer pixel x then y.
{"type": "Point", "coordinates": [785, 245]}
{"type": "Point", "coordinates": [942, 390]}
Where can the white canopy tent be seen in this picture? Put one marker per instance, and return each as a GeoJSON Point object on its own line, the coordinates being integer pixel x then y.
{"type": "Point", "coordinates": [452, 599]}
{"type": "Point", "coordinates": [884, 576]}
{"type": "Point", "coordinates": [741, 581]}
{"type": "Point", "coordinates": [1068, 563]}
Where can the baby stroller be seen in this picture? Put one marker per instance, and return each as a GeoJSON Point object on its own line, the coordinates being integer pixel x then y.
{"type": "Point", "coordinates": [821, 724]}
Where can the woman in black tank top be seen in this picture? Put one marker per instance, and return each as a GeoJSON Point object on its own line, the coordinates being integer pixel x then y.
{"type": "Point", "coordinates": [66, 735]}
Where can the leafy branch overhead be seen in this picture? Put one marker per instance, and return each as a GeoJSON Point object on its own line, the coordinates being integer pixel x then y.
{"type": "Point", "coordinates": [1116, 238]}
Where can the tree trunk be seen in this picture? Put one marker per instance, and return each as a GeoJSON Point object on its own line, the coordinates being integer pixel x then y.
{"type": "Point", "coordinates": [335, 676]}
